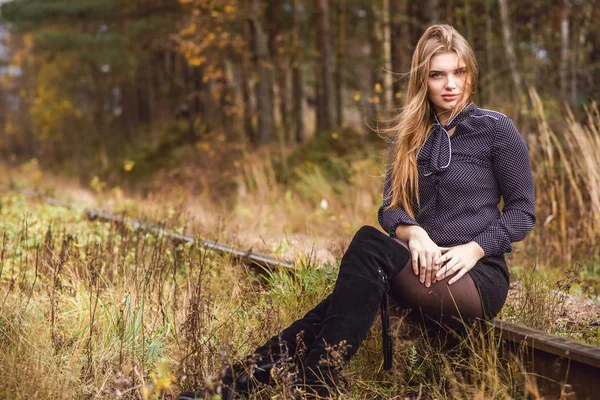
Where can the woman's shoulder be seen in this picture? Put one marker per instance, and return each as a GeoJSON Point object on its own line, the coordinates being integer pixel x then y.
{"type": "Point", "coordinates": [497, 127]}
{"type": "Point", "coordinates": [505, 133]}
{"type": "Point", "coordinates": [485, 123]}
{"type": "Point", "coordinates": [489, 115]}
{"type": "Point", "coordinates": [498, 123]}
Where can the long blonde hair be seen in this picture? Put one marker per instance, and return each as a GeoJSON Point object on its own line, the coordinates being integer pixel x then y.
{"type": "Point", "coordinates": [413, 123]}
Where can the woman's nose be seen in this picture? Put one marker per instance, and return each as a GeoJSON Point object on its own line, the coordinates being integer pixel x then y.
{"type": "Point", "coordinates": [450, 82]}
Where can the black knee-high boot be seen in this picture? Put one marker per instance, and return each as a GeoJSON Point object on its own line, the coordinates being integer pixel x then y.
{"type": "Point", "coordinates": [361, 284]}
{"type": "Point", "coordinates": [277, 349]}
{"type": "Point", "coordinates": [241, 379]}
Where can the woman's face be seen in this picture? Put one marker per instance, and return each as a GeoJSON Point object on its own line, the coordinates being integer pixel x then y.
{"type": "Point", "coordinates": [446, 81]}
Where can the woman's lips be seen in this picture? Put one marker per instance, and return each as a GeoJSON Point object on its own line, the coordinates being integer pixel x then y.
{"type": "Point", "coordinates": [449, 96]}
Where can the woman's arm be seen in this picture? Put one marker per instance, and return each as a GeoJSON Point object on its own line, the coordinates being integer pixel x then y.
{"type": "Point", "coordinates": [408, 232]}
{"type": "Point", "coordinates": [392, 218]}
{"type": "Point", "coordinates": [397, 223]}
{"type": "Point", "coordinates": [512, 169]}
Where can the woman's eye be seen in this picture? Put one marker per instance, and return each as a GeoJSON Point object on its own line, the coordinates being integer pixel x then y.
{"type": "Point", "coordinates": [461, 72]}
{"type": "Point", "coordinates": [435, 75]}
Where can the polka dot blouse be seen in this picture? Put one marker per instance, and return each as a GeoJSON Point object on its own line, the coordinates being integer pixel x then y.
{"type": "Point", "coordinates": [461, 180]}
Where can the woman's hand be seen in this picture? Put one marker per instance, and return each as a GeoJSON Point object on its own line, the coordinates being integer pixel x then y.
{"type": "Point", "coordinates": [457, 260]}
{"type": "Point", "coordinates": [423, 253]}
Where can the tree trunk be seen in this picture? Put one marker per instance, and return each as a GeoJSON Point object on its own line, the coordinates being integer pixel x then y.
{"type": "Point", "coordinates": [536, 40]}
{"type": "Point", "coordinates": [297, 77]}
{"type": "Point", "coordinates": [247, 110]}
{"type": "Point", "coordinates": [510, 55]}
{"type": "Point", "coordinates": [339, 81]}
{"type": "Point", "coordinates": [199, 104]}
{"type": "Point", "coordinates": [3, 114]}
{"type": "Point", "coordinates": [374, 29]}
{"type": "Point", "coordinates": [400, 42]}
{"type": "Point", "coordinates": [99, 119]}
{"type": "Point", "coordinates": [489, 53]}
{"type": "Point", "coordinates": [149, 90]}
{"type": "Point", "coordinates": [264, 86]}
{"type": "Point", "coordinates": [387, 57]}
{"type": "Point", "coordinates": [130, 110]}
{"type": "Point", "coordinates": [469, 22]}
{"type": "Point", "coordinates": [325, 63]}
{"type": "Point", "coordinates": [431, 11]}
{"type": "Point", "coordinates": [574, 70]}
{"type": "Point", "coordinates": [580, 48]}
{"type": "Point", "coordinates": [564, 51]}
{"type": "Point", "coordinates": [228, 101]}
{"type": "Point", "coordinates": [318, 100]}
{"type": "Point", "coordinates": [449, 12]}
{"type": "Point", "coordinates": [284, 96]}
{"type": "Point", "coordinates": [278, 50]}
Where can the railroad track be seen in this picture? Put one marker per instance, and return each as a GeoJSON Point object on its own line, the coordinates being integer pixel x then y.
{"type": "Point", "coordinates": [562, 368]}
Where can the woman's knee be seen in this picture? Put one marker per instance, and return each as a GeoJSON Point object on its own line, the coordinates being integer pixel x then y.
{"type": "Point", "coordinates": [371, 247]}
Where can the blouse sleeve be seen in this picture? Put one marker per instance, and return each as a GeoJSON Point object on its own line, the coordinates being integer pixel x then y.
{"type": "Point", "coordinates": [512, 169]}
{"type": "Point", "coordinates": [391, 218]}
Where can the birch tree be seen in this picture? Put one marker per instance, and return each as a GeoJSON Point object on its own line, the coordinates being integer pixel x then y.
{"type": "Point", "coordinates": [387, 56]}
{"type": "Point", "coordinates": [564, 50]}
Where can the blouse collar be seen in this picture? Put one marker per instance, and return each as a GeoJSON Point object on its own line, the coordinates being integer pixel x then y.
{"type": "Point", "coordinates": [436, 152]}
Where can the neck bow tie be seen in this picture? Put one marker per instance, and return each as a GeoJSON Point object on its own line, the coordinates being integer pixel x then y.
{"type": "Point", "coordinates": [436, 153]}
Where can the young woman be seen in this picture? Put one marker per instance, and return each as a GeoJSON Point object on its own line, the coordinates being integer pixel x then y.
{"type": "Point", "coordinates": [449, 165]}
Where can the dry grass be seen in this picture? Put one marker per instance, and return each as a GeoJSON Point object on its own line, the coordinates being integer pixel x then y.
{"type": "Point", "coordinates": [567, 170]}
{"type": "Point", "coordinates": [98, 311]}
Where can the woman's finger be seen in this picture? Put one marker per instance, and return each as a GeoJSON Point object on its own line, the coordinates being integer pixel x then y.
{"type": "Point", "coordinates": [443, 258]}
{"type": "Point", "coordinates": [422, 266]}
{"type": "Point", "coordinates": [414, 256]}
{"type": "Point", "coordinates": [447, 269]}
{"type": "Point", "coordinates": [429, 271]}
{"type": "Point", "coordinates": [434, 266]}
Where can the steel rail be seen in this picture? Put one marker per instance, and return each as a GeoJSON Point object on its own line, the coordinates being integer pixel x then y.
{"type": "Point", "coordinates": [255, 259]}
{"type": "Point", "coordinates": [244, 255]}
{"type": "Point", "coordinates": [563, 368]}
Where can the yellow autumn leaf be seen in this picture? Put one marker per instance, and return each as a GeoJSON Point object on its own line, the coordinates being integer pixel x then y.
{"type": "Point", "coordinates": [204, 146]}
{"type": "Point", "coordinates": [189, 30]}
{"type": "Point", "coordinates": [128, 165]}
{"type": "Point", "coordinates": [197, 61]}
